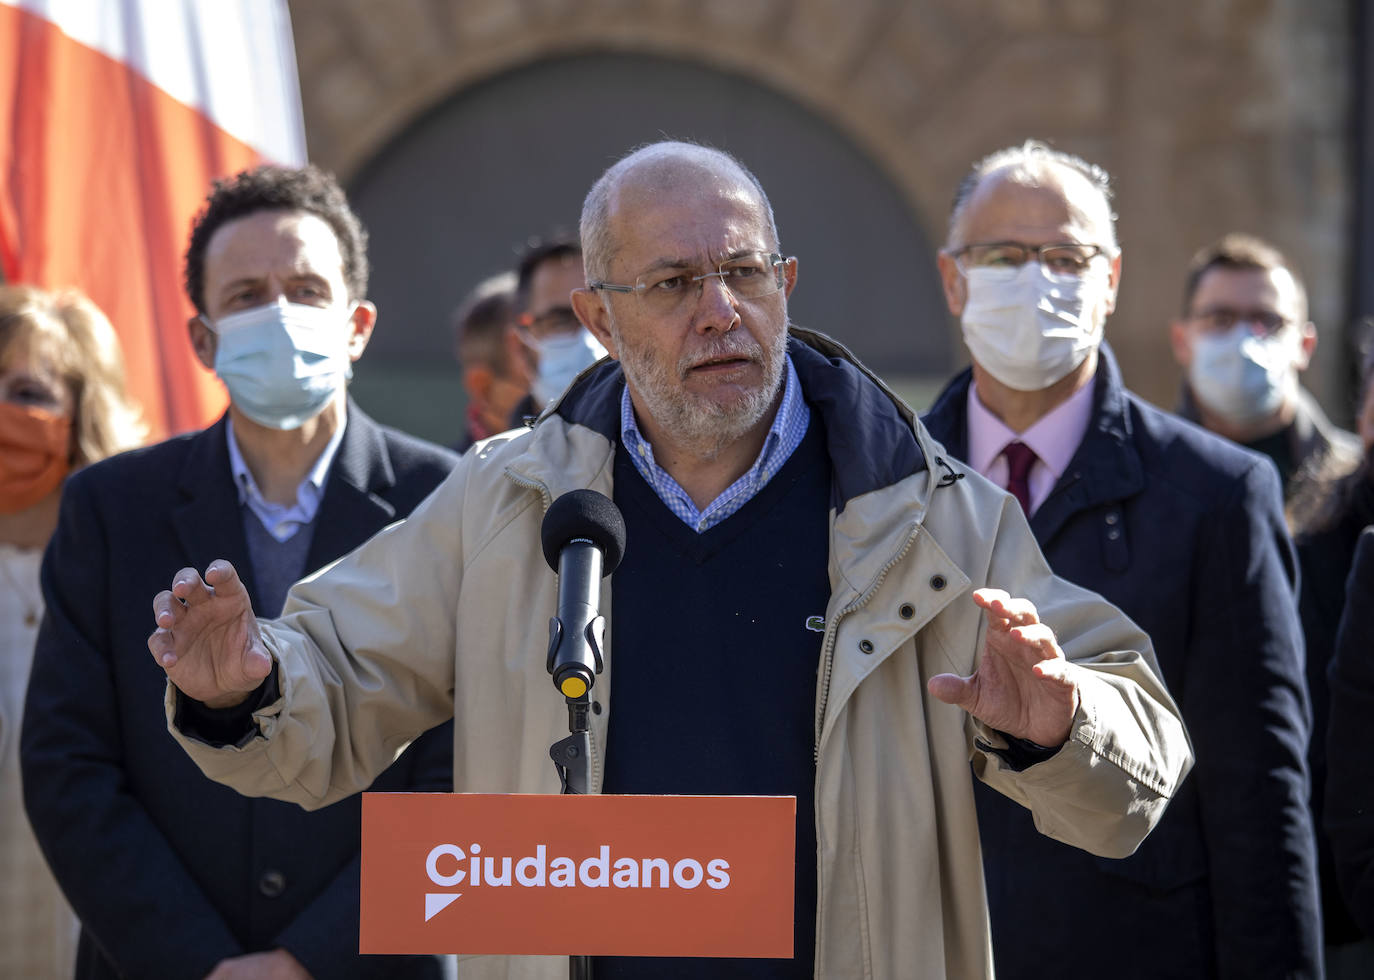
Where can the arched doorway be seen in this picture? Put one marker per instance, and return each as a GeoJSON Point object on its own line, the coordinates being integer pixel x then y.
{"type": "Point", "coordinates": [452, 199]}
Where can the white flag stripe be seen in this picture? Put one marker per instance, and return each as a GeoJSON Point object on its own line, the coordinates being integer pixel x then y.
{"type": "Point", "coordinates": [232, 61]}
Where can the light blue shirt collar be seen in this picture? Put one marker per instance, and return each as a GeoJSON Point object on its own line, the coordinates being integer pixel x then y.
{"type": "Point", "coordinates": [283, 520]}
{"type": "Point", "coordinates": [784, 435]}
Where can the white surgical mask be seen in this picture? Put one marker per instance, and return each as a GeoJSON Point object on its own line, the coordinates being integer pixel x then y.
{"type": "Point", "coordinates": [283, 362]}
{"type": "Point", "coordinates": [561, 358]}
{"type": "Point", "coordinates": [1030, 329]}
{"type": "Point", "coordinates": [1242, 376]}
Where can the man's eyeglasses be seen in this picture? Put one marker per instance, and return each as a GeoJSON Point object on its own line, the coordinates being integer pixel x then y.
{"type": "Point", "coordinates": [1057, 259]}
{"type": "Point", "coordinates": [1221, 319]}
{"type": "Point", "coordinates": [666, 291]}
{"type": "Point", "coordinates": [559, 319]}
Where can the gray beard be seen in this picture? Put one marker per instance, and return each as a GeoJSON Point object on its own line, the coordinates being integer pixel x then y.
{"type": "Point", "coordinates": [702, 426]}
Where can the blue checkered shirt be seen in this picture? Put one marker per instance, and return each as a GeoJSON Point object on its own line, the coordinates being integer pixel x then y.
{"type": "Point", "coordinates": [783, 437]}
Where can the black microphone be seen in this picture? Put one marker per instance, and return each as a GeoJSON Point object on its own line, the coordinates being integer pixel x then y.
{"type": "Point", "coordinates": [584, 539]}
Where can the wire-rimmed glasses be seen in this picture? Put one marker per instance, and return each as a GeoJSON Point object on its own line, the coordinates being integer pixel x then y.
{"type": "Point", "coordinates": [1067, 259]}
{"type": "Point", "coordinates": [558, 320]}
{"type": "Point", "coordinates": [1220, 319]}
{"type": "Point", "coordinates": [666, 290]}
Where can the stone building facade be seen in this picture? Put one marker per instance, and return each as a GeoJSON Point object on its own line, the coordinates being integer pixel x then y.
{"type": "Point", "coordinates": [1212, 115]}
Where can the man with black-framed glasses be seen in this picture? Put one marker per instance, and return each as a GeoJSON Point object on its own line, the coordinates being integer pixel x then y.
{"type": "Point", "coordinates": [1242, 340]}
{"type": "Point", "coordinates": [1183, 531]}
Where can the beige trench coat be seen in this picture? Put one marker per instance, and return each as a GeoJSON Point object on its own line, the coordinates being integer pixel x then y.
{"type": "Point", "coordinates": [447, 613]}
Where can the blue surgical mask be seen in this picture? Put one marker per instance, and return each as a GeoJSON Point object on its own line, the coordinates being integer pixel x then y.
{"type": "Point", "coordinates": [1243, 377]}
{"type": "Point", "coordinates": [561, 358]}
{"type": "Point", "coordinates": [283, 362]}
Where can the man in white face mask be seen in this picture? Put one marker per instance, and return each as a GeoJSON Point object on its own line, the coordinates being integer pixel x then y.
{"type": "Point", "coordinates": [292, 477]}
{"type": "Point", "coordinates": [1184, 532]}
{"type": "Point", "coordinates": [1242, 341]}
{"type": "Point", "coordinates": [549, 270]}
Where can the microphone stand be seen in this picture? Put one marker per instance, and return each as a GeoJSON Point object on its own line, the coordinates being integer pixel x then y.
{"type": "Point", "coordinates": [583, 538]}
{"type": "Point", "coordinates": [572, 757]}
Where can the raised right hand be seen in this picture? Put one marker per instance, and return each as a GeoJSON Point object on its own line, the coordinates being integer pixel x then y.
{"type": "Point", "coordinates": [207, 637]}
{"type": "Point", "coordinates": [1023, 684]}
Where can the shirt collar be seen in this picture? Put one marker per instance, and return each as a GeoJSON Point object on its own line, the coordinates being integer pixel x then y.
{"type": "Point", "coordinates": [1054, 437]}
{"type": "Point", "coordinates": [784, 435]}
{"type": "Point", "coordinates": [311, 489]}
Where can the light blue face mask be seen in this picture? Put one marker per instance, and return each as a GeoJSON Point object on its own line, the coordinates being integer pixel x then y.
{"type": "Point", "coordinates": [283, 362]}
{"type": "Point", "coordinates": [1243, 377]}
{"type": "Point", "coordinates": [561, 358]}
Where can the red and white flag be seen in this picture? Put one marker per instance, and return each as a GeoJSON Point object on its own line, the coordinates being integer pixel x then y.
{"type": "Point", "coordinates": [115, 115]}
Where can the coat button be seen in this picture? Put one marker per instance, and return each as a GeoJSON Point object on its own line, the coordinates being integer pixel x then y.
{"type": "Point", "coordinates": [1112, 518]}
{"type": "Point", "coordinates": [866, 646]}
{"type": "Point", "coordinates": [907, 610]}
{"type": "Point", "coordinates": [272, 883]}
{"type": "Point", "coordinates": [937, 582]}
{"type": "Point", "coordinates": [596, 707]}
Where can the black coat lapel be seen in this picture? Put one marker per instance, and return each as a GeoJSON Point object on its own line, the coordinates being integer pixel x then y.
{"type": "Point", "coordinates": [353, 508]}
{"type": "Point", "coordinates": [947, 419]}
{"type": "Point", "coordinates": [207, 517]}
{"type": "Point", "coordinates": [1106, 465]}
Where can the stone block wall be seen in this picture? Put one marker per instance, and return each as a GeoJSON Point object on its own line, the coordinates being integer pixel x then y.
{"type": "Point", "coordinates": [1212, 115]}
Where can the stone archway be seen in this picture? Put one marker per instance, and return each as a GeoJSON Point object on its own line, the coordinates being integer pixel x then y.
{"type": "Point", "coordinates": [876, 70]}
{"type": "Point", "coordinates": [450, 199]}
{"type": "Point", "coordinates": [1211, 117]}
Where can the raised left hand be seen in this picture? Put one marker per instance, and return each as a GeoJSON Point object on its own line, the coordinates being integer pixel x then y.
{"type": "Point", "coordinates": [1023, 684]}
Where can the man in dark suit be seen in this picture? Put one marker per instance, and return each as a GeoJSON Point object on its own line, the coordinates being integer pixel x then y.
{"type": "Point", "coordinates": [1350, 796]}
{"type": "Point", "coordinates": [1185, 533]}
{"type": "Point", "coordinates": [292, 477]}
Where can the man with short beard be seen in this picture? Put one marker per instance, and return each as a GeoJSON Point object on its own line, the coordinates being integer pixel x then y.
{"type": "Point", "coordinates": [810, 604]}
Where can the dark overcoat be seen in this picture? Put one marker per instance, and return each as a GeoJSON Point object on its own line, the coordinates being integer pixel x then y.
{"type": "Point", "coordinates": [169, 872]}
{"type": "Point", "coordinates": [1183, 531]}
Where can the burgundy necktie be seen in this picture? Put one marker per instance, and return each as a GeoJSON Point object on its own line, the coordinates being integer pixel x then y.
{"type": "Point", "coordinates": [1020, 459]}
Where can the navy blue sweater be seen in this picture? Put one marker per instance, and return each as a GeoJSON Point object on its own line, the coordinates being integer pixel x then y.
{"type": "Point", "coordinates": [724, 612]}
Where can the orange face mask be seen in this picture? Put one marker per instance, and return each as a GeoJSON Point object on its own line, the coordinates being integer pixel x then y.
{"type": "Point", "coordinates": [33, 455]}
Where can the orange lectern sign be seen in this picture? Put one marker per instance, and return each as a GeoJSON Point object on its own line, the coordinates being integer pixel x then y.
{"type": "Point", "coordinates": [577, 875]}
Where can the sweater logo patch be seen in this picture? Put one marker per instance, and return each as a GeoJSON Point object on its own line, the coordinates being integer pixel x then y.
{"type": "Point", "coordinates": [816, 624]}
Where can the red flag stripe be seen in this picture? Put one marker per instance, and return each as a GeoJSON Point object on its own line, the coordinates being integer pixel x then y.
{"type": "Point", "coordinates": [101, 173]}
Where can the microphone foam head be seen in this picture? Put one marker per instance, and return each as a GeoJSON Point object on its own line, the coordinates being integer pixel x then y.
{"type": "Point", "coordinates": [584, 514]}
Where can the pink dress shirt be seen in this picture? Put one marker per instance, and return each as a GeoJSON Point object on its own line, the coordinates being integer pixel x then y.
{"type": "Point", "coordinates": [1054, 438]}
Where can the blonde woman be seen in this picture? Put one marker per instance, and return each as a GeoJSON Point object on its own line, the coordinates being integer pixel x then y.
{"type": "Point", "coordinates": [62, 405]}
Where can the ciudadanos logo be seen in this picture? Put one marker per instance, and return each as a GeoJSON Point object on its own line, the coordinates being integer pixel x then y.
{"type": "Point", "coordinates": [470, 868]}
{"type": "Point", "coordinates": [577, 875]}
